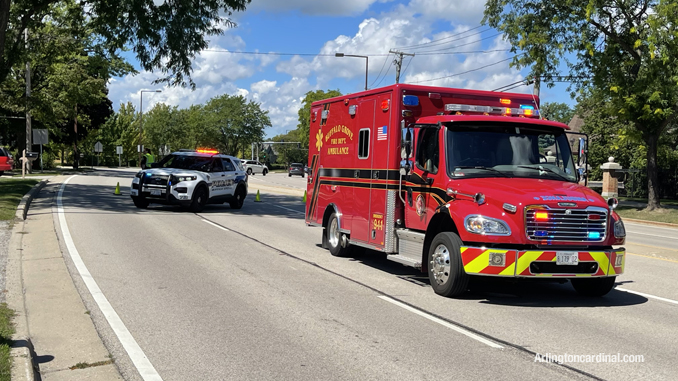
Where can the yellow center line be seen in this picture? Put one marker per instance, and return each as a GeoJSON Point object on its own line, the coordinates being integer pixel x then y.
{"type": "Point", "coordinates": [654, 247]}
{"type": "Point", "coordinates": [648, 256]}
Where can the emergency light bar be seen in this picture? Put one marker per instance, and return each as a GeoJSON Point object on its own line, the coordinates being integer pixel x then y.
{"type": "Point", "coordinates": [456, 107]}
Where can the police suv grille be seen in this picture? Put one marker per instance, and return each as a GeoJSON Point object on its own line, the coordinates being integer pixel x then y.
{"type": "Point", "coordinates": [566, 225]}
{"type": "Point", "coordinates": [157, 180]}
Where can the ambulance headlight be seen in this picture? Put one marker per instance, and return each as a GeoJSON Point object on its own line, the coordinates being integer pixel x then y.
{"type": "Point", "coordinates": [619, 230]}
{"type": "Point", "coordinates": [478, 224]}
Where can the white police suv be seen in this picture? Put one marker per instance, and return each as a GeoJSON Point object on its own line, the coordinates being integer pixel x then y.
{"type": "Point", "coordinates": [191, 179]}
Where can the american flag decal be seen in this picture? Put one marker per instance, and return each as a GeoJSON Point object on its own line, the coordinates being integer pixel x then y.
{"type": "Point", "coordinates": [382, 133]}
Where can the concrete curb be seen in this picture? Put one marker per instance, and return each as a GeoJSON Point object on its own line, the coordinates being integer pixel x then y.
{"type": "Point", "coordinates": [646, 222]}
{"type": "Point", "coordinates": [22, 209]}
{"type": "Point", "coordinates": [23, 366]}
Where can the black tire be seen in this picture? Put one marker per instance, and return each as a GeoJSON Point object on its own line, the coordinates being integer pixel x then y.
{"type": "Point", "coordinates": [289, 175]}
{"type": "Point", "coordinates": [200, 197]}
{"type": "Point", "coordinates": [445, 270]}
{"type": "Point", "coordinates": [333, 237]}
{"type": "Point", "coordinates": [238, 198]}
{"type": "Point", "coordinates": [3, 172]}
{"type": "Point", "coordinates": [594, 286]}
{"type": "Point", "coordinates": [140, 203]}
{"type": "Point", "coordinates": [302, 175]}
{"type": "Point", "coordinates": [249, 171]}
{"type": "Point", "coordinates": [265, 172]}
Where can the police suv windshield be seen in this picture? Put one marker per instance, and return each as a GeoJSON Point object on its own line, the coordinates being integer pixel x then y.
{"type": "Point", "coordinates": [508, 150]}
{"type": "Point", "coordinates": [190, 162]}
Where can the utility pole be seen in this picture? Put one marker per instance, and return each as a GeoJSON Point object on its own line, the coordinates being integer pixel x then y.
{"type": "Point", "coordinates": [29, 130]}
{"type": "Point", "coordinates": [399, 61]}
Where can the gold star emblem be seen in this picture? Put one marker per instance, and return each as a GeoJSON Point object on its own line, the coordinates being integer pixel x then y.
{"type": "Point", "coordinates": [319, 140]}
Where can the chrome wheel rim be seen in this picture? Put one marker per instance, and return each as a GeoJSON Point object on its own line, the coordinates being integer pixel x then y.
{"type": "Point", "coordinates": [334, 233]}
{"type": "Point", "coordinates": [440, 264]}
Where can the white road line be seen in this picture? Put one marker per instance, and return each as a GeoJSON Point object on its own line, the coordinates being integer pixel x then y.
{"type": "Point", "coordinates": [134, 351]}
{"type": "Point", "coordinates": [216, 226]}
{"type": "Point", "coordinates": [653, 227]}
{"type": "Point", "coordinates": [443, 323]}
{"type": "Point", "coordinates": [291, 210]}
{"type": "Point", "coordinates": [651, 235]}
{"type": "Point", "coordinates": [648, 295]}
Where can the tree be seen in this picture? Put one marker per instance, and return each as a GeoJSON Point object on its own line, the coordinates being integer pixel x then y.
{"type": "Point", "coordinates": [559, 112]}
{"type": "Point", "coordinates": [625, 50]}
{"type": "Point", "coordinates": [164, 35]}
{"type": "Point", "coordinates": [305, 111]}
{"type": "Point", "coordinates": [233, 123]}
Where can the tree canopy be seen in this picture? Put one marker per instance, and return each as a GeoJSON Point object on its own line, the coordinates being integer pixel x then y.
{"type": "Point", "coordinates": [559, 112]}
{"type": "Point", "coordinates": [163, 35]}
{"type": "Point", "coordinates": [626, 50]}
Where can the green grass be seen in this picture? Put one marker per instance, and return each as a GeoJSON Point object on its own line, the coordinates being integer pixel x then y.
{"type": "Point", "coordinates": [669, 215]}
{"type": "Point", "coordinates": [6, 331]}
{"type": "Point", "coordinates": [11, 192]}
{"type": "Point", "coordinates": [644, 201]}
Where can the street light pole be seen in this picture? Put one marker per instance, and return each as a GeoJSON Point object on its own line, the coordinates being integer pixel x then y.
{"type": "Point", "coordinates": [141, 117]}
{"type": "Point", "coordinates": [367, 60]}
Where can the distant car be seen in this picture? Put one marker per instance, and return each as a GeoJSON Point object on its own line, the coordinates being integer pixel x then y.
{"type": "Point", "coordinates": [253, 167]}
{"type": "Point", "coordinates": [6, 161]}
{"type": "Point", "coordinates": [296, 169]}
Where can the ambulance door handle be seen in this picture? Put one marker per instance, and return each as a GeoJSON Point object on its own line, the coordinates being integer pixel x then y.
{"type": "Point", "coordinates": [356, 174]}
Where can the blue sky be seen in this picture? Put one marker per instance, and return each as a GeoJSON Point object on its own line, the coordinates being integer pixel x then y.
{"type": "Point", "coordinates": [434, 30]}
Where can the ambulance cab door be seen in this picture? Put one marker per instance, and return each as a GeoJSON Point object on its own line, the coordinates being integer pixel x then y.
{"type": "Point", "coordinates": [381, 157]}
{"type": "Point", "coordinates": [420, 193]}
{"type": "Point", "coordinates": [361, 220]}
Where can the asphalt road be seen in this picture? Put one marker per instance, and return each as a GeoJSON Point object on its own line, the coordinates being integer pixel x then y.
{"type": "Point", "coordinates": [249, 294]}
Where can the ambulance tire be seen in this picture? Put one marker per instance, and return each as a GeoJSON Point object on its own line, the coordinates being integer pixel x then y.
{"type": "Point", "coordinates": [199, 200]}
{"type": "Point", "coordinates": [594, 286]}
{"type": "Point", "coordinates": [445, 270]}
{"type": "Point", "coordinates": [333, 237]}
{"type": "Point", "coordinates": [140, 202]}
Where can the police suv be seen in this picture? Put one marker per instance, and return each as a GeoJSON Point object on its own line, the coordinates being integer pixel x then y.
{"type": "Point", "coordinates": [191, 179]}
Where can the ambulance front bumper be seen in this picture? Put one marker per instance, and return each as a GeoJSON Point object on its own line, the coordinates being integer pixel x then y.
{"type": "Point", "coordinates": [542, 263]}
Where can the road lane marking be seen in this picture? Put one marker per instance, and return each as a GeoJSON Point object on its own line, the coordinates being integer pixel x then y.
{"type": "Point", "coordinates": [651, 235]}
{"type": "Point", "coordinates": [291, 210]}
{"type": "Point", "coordinates": [653, 227]}
{"type": "Point", "coordinates": [651, 257]}
{"type": "Point", "coordinates": [215, 225]}
{"type": "Point", "coordinates": [652, 246]}
{"type": "Point", "coordinates": [648, 295]}
{"type": "Point", "coordinates": [134, 351]}
{"type": "Point", "coordinates": [442, 322]}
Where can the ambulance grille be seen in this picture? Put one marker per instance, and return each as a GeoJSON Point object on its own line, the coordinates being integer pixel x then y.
{"type": "Point", "coordinates": [566, 225]}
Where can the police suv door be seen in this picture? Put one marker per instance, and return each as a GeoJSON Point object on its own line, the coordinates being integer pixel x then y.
{"type": "Point", "coordinates": [230, 175]}
{"type": "Point", "coordinates": [218, 178]}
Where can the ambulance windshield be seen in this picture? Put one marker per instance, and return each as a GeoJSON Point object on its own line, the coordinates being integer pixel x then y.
{"type": "Point", "coordinates": [509, 150]}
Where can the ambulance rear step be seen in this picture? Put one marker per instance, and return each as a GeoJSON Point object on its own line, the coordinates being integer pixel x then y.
{"type": "Point", "coordinates": [410, 247]}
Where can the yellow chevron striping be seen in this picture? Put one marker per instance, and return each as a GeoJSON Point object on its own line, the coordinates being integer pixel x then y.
{"type": "Point", "coordinates": [525, 260]}
{"type": "Point", "coordinates": [602, 259]}
{"type": "Point", "coordinates": [479, 263]}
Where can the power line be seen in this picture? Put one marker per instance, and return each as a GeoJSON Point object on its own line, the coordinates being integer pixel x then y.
{"type": "Point", "coordinates": [386, 75]}
{"type": "Point", "coordinates": [369, 55]}
{"type": "Point", "coordinates": [382, 69]}
{"type": "Point", "coordinates": [466, 44]}
{"type": "Point", "coordinates": [408, 65]}
{"type": "Point", "coordinates": [423, 46]}
{"type": "Point", "coordinates": [442, 39]}
{"type": "Point", "coordinates": [465, 72]}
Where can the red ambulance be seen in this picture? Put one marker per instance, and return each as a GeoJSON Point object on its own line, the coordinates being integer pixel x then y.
{"type": "Point", "coordinates": [459, 183]}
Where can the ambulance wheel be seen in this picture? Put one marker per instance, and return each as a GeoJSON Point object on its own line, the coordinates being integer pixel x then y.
{"type": "Point", "coordinates": [199, 200]}
{"type": "Point", "coordinates": [140, 202]}
{"type": "Point", "coordinates": [265, 172]}
{"type": "Point", "coordinates": [238, 198]}
{"type": "Point", "coordinates": [594, 286]}
{"type": "Point", "coordinates": [445, 270]}
{"type": "Point", "coordinates": [333, 237]}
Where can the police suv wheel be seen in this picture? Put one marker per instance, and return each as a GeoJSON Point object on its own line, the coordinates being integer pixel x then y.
{"type": "Point", "coordinates": [594, 286]}
{"type": "Point", "coordinates": [199, 200]}
{"type": "Point", "coordinates": [445, 270]}
{"type": "Point", "coordinates": [334, 237]}
{"type": "Point", "coordinates": [238, 198]}
{"type": "Point", "coordinates": [140, 202]}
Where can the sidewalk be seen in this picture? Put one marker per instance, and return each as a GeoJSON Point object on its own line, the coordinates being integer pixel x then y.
{"type": "Point", "coordinates": [49, 309]}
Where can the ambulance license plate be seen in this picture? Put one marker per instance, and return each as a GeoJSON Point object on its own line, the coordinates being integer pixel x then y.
{"type": "Point", "coordinates": [567, 258]}
{"type": "Point", "coordinates": [156, 192]}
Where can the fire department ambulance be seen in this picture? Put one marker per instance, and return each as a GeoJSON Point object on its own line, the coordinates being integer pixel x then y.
{"type": "Point", "coordinates": [459, 183]}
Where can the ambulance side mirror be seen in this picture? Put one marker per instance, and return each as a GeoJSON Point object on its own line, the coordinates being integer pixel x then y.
{"type": "Point", "coordinates": [406, 150]}
{"type": "Point", "coordinates": [405, 167]}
